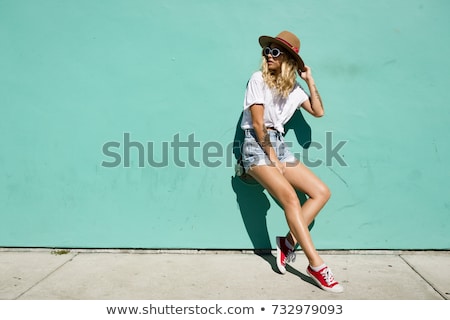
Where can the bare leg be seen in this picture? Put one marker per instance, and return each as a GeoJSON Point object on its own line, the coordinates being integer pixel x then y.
{"type": "Point", "coordinates": [282, 190]}
{"type": "Point", "coordinates": [304, 180]}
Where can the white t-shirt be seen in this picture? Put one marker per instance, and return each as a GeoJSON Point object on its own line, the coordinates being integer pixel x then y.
{"type": "Point", "coordinates": [277, 110]}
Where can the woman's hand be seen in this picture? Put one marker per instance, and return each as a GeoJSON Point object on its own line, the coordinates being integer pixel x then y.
{"type": "Point", "coordinates": [280, 166]}
{"type": "Point", "coordinates": [305, 75]}
{"type": "Point", "coordinates": [314, 104]}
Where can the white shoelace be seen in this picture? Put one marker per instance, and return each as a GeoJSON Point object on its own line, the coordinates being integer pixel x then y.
{"type": "Point", "coordinates": [291, 256]}
{"type": "Point", "coordinates": [328, 276]}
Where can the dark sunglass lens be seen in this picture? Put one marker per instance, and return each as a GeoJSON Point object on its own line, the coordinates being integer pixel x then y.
{"type": "Point", "coordinates": [275, 52]}
{"type": "Point", "coordinates": [266, 51]}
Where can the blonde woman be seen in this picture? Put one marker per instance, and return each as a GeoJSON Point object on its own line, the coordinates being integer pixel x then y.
{"type": "Point", "coordinates": [271, 98]}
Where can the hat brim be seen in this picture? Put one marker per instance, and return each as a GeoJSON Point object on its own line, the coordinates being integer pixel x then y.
{"type": "Point", "coordinates": [265, 41]}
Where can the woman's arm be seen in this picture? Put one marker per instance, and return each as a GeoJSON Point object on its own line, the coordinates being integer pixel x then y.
{"type": "Point", "coordinates": [263, 138]}
{"type": "Point", "coordinates": [314, 105]}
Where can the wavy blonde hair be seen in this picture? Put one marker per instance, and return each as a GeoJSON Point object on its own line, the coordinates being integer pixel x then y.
{"type": "Point", "coordinates": [284, 82]}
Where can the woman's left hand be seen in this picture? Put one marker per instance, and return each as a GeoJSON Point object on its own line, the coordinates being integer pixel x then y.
{"type": "Point", "coordinates": [305, 75]}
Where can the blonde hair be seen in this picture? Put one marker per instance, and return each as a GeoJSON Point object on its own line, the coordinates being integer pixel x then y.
{"type": "Point", "coordinates": [284, 82]}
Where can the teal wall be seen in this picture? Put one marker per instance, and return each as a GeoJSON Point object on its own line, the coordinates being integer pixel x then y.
{"type": "Point", "coordinates": [76, 75]}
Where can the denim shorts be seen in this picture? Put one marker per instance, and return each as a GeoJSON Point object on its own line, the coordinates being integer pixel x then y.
{"type": "Point", "coordinates": [254, 155]}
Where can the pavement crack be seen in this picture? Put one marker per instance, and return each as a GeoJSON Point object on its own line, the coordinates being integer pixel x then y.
{"type": "Point", "coordinates": [423, 278]}
{"type": "Point", "coordinates": [44, 278]}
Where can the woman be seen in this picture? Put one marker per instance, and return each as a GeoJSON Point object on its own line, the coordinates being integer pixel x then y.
{"type": "Point", "coordinates": [271, 98]}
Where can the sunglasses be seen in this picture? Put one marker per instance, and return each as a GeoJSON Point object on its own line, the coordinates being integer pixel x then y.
{"type": "Point", "coordinates": [275, 52]}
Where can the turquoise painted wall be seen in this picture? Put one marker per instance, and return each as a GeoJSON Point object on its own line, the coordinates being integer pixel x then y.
{"type": "Point", "coordinates": [85, 82]}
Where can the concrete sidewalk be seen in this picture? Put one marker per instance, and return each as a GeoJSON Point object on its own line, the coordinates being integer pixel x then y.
{"type": "Point", "coordinates": [44, 274]}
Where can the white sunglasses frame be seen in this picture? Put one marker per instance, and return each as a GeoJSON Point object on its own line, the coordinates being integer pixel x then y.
{"type": "Point", "coordinates": [268, 50]}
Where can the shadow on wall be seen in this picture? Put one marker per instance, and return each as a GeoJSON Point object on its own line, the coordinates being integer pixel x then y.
{"type": "Point", "coordinates": [250, 196]}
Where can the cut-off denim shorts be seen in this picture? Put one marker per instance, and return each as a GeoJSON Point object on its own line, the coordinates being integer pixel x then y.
{"type": "Point", "coordinates": [254, 155]}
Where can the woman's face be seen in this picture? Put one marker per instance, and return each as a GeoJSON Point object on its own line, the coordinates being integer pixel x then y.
{"type": "Point", "coordinates": [274, 63]}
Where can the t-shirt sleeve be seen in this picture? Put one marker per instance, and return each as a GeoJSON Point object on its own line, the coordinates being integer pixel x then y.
{"type": "Point", "coordinates": [302, 95]}
{"type": "Point", "coordinates": [254, 94]}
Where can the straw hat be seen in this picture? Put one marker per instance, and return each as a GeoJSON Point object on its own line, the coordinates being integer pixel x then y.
{"type": "Point", "coordinates": [288, 41]}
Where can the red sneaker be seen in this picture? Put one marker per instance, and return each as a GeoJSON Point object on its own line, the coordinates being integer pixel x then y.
{"type": "Point", "coordinates": [325, 279]}
{"type": "Point", "coordinates": [284, 254]}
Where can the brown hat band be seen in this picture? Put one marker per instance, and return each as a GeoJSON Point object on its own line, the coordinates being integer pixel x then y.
{"type": "Point", "coordinates": [290, 45]}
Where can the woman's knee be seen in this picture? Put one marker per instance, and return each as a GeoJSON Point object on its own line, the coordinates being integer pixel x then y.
{"type": "Point", "coordinates": [322, 193]}
{"type": "Point", "coordinates": [290, 200]}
